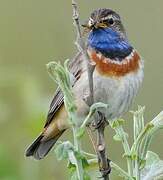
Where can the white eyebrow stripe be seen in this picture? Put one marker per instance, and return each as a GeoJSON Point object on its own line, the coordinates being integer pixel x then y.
{"type": "Point", "coordinates": [90, 22]}
{"type": "Point", "coordinates": [90, 19]}
{"type": "Point", "coordinates": [107, 17]}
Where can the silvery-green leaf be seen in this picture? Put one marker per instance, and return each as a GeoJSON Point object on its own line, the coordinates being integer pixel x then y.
{"type": "Point", "coordinates": [62, 150]}
{"type": "Point", "coordinates": [93, 163]}
{"type": "Point", "coordinates": [117, 123]}
{"type": "Point", "coordinates": [153, 168]}
{"type": "Point", "coordinates": [72, 157]}
{"type": "Point", "coordinates": [59, 151]}
{"type": "Point", "coordinates": [153, 172]}
{"type": "Point", "coordinates": [158, 120]}
{"type": "Point", "coordinates": [117, 137]}
{"type": "Point", "coordinates": [151, 158]}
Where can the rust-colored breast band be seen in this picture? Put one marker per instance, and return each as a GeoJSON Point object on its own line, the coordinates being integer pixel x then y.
{"type": "Point", "coordinates": [109, 67]}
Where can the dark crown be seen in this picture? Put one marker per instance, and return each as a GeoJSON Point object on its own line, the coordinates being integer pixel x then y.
{"type": "Point", "coordinates": [103, 13]}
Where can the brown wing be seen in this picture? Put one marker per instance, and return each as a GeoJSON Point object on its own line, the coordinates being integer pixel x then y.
{"type": "Point", "coordinates": [75, 68]}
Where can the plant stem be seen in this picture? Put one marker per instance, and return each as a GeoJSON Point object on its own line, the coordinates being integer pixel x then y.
{"type": "Point", "coordinates": [140, 137]}
{"type": "Point", "coordinates": [121, 171]}
{"type": "Point", "coordinates": [120, 131]}
{"type": "Point", "coordinates": [77, 145]}
{"type": "Point", "coordinates": [137, 170]}
{"type": "Point", "coordinates": [89, 154]}
{"type": "Point", "coordinates": [146, 146]}
{"type": "Point", "coordinates": [77, 142]}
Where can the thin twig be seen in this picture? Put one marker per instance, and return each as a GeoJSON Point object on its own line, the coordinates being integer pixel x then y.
{"type": "Point", "coordinates": [103, 161]}
{"type": "Point", "coordinates": [120, 131]}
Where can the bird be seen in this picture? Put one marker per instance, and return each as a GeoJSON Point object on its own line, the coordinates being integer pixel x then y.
{"type": "Point", "coordinates": [117, 77]}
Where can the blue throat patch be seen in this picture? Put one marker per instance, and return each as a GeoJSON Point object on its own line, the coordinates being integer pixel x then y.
{"type": "Point", "coordinates": [109, 43]}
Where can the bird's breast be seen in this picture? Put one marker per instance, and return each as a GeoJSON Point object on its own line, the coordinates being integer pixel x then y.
{"type": "Point", "coordinates": [115, 68]}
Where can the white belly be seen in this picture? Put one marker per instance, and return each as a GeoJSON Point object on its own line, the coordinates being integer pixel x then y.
{"type": "Point", "coordinates": [117, 92]}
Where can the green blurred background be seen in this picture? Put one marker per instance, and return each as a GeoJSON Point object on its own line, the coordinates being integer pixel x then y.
{"type": "Point", "coordinates": [34, 32]}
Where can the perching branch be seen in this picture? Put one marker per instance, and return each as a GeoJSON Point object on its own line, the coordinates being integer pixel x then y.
{"type": "Point", "coordinates": [104, 166]}
{"type": "Point", "coordinates": [82, 48]}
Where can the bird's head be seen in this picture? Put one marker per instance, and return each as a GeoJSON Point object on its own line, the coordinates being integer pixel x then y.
{"type": "Point", "coordinates": [105, 19]}
{"type": "Point", "coordinates": [107, 34]}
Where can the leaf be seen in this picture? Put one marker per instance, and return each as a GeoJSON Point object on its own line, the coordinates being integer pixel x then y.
{"type": "Point", "coordinates": [86, 176]}
{"type": "Point", "coordinates": [74, 176]}
{"type": "Point", "coordinates": [151, 158]}
{"type": "Point", "coordinates": [71, 167]}
{"type": "Point", "coordinates": [80, 156]}
{"type": "Point", "coordinates": [142, 163]}
{"type": "Point", "coordinates": [80, 132]}
{"type": "Point", "coordinates": [72, 157]}
{"type": "Point", "coordinates": [85, 163]}
{"type": "Point", "coordinates": [93, 163]}
{"type": "Point", "coordinates": [158, 120]}
{"type": "Point", "coordinates": [153, 172]}
{"type": "Point", "coordinates": [153, 168]}
{"type": "Point", "coordinates": [120, 137]}
{"type": "Point", "coordinates": [59, 151]}
{"type": "Point", "coordinates": [62, 150]}
{"type": "Point", "coordinates": [117, 123]}
{"type": "Point", "coordinates": [117, 137]}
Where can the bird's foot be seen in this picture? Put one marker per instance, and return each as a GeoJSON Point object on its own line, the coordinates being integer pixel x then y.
{"type": "Point", "coordinates": [99, 121]}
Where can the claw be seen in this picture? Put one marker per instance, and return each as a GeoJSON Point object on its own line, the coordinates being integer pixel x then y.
{"type": "Point", "coordinates": [101, 121]}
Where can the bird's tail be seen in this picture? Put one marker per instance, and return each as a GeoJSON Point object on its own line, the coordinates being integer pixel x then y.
{"type": "Point", "coordinates": [40, 148]}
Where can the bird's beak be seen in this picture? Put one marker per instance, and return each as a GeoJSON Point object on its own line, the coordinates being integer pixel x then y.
{"type": "Point", "coordinates": [89, 25]}
{"type": "Point", "coordinates": [100, 25]}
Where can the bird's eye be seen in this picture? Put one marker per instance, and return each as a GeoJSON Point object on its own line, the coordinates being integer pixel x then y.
{"type": "Point", "coordinates": [111, 21]}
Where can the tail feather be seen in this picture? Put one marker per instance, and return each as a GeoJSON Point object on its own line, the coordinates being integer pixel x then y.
{"type": "Point", "coordinates": [39, 149]}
